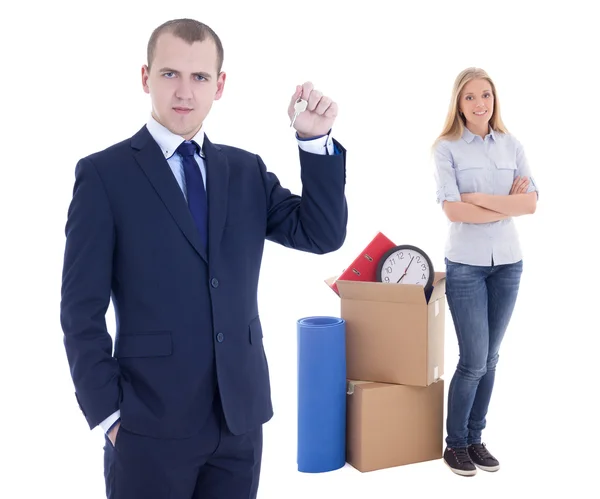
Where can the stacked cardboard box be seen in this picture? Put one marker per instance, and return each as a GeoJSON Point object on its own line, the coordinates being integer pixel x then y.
{"type": "Point", "coordinates": [395, 364]}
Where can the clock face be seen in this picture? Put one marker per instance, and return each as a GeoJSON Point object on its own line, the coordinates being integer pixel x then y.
{"type": "Point", "coordinates": [406, 264]}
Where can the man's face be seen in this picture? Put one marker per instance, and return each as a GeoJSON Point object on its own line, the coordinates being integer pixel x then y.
{"type": "Point", "coordinates": [183, 83]}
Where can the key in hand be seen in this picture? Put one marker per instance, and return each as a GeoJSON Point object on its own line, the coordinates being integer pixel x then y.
{"type": "Point", "coordinates": [299, 107]}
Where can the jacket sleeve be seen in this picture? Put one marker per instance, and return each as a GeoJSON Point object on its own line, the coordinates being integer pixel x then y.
{"type": "Point", "coordinates": [85, 296]}
{"type": "Point", "coordinates": [316, 221]}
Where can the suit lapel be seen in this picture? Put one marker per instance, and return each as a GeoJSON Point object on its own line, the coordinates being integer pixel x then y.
{"type": "Point", "coordinates": [217, 189]}
{"type": "Point", "coordinates": [156, 168]}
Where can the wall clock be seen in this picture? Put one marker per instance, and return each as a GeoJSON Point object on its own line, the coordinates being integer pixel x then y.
{"type": "Point", "coordinates": [406, 264]}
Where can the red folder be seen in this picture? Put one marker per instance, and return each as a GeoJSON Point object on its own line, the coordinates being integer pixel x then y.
{"type": "Point", "coordinates": [364, 266]}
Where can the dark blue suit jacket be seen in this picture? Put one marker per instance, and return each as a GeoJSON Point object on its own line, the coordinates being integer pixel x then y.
{"type": "Point", "coordinates": [186, 319]}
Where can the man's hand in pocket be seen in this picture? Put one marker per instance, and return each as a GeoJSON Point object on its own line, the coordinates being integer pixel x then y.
{"type": "Point", "coordinates": [112, 434]}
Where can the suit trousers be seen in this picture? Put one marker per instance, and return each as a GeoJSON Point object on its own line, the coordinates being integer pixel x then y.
{"type": "Point", "coordinates": [213, 464]}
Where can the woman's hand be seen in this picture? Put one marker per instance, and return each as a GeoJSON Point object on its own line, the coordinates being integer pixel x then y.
{"type": "Point", "coordinates": [520, 185]}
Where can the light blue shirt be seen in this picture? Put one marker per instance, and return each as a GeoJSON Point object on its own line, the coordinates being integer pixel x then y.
{"type": "Point", "coordinates": [490, 165]}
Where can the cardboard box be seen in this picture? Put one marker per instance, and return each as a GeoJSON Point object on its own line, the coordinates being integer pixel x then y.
{"type": "Point", "coordinates": [393, 333]}
{"type": "Point", "coordinates": [393, 425]}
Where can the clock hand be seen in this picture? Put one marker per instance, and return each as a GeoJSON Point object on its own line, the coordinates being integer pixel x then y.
{"type": "Point", "coordinates": [405, 270]}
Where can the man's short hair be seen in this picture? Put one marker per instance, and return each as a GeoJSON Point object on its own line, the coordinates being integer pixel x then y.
{"type": "Point", "coordinates": [188, 30]}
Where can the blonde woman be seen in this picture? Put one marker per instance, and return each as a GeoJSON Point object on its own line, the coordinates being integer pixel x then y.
{"type": "Point", "coordinates": [483, 182]}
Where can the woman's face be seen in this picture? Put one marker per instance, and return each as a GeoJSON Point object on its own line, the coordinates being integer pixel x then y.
{"type": "Point", "coordinates": [477, 102]}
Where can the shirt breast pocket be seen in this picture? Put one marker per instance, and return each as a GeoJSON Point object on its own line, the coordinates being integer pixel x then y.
{"type": "Point", "coordinates": [505, 175]}
{"type": "Point", "coordinates": [470, 176]}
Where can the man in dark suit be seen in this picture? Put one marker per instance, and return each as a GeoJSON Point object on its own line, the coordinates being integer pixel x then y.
{"type": "Point", "coordinates": [172, 227]}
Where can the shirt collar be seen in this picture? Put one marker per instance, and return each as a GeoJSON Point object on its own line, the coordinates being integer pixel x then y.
{"type": "Point", "coordinates": [169, 141]}
{"type": "Point", "coordinates": [468, 135]}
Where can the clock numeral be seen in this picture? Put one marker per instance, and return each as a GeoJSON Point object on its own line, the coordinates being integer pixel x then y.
{"type": "Point", "coordinates": [388, 270]}
{"type": "Point", "coordinates": [423, 277]}
{"type": "Point", "coordinates": [386, 279]}
{"type": "Point", "coordinates": [401, 255]}
{"type": "Point", "coordinates": [423, 266]}
{"type": "Point", "coordinates": [418, 259]}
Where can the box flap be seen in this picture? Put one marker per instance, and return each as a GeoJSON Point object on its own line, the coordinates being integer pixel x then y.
{"type": "Point", "coordinates": [378, 291]}
{"type": "Point", "coordinates": [331, 282]}
{"type": "Point", "coordinates": [439, 286]}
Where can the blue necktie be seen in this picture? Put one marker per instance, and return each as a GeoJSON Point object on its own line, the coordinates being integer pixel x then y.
{"type": "Point", "coordinates": [196, 193]}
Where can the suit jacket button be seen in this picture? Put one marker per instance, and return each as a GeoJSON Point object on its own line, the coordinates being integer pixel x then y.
{"type": "Point", "coordinates": [220, 337]}
{"type": "Point", "coordinates": [214, 282]}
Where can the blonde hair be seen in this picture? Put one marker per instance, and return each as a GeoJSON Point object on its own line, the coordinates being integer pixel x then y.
{"type": "Point", "coordinates": [455, 123]}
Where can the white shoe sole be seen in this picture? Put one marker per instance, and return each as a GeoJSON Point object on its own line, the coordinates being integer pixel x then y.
{"type": "Point", "coordinates": [461, 472]}
{"type": "Point", "coordinates": [487, 468]}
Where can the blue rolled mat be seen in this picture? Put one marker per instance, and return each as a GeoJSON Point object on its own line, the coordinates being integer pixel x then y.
{"type": "Point", "coordinates": [321, 394]}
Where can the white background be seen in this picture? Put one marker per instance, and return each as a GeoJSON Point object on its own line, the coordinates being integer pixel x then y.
{"type": "Point", "coordinates": [71, 85]}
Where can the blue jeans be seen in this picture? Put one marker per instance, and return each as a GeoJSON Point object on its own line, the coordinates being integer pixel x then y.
{"type": "Point", "coordinates": [481, 301]}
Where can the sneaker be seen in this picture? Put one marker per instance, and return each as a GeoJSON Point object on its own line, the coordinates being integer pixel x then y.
{"type": "Point", "coordinates": [482, 457]}
{"type": "Point", "coordinates": [459, 462]}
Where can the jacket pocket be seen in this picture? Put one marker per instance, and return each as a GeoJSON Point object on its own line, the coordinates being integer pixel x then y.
{"type": "Point", "coordinates": [154, 344]}
{"type": "Point", "coordinates": [255, 328]}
